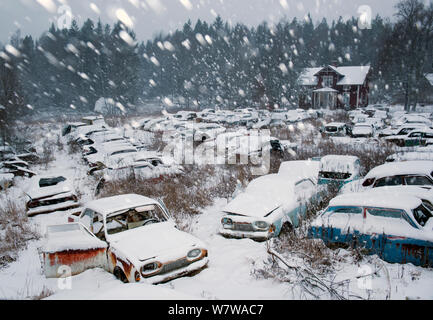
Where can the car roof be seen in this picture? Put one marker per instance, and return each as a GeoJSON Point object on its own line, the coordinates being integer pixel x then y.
{"type": "Point", "coordinates": [105, 206]}
{"type": "Point", "coordinates": [423, 167]}
{"type": "Point", "coordinates": [337, 124]}
{"type": "Point", "coordinates": [377, 199]}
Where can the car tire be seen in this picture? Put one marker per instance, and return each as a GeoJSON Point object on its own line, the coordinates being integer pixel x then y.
{"type": "Point", "coordinates": [119, 274]}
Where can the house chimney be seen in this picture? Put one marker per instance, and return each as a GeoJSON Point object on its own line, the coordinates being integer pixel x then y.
{"type": "Point", "coordinates": [334, 63]}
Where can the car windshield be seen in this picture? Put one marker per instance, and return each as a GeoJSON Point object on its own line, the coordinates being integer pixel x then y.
{"type": "Point", "coordinates": [334, 175]}
{"type": "Point", "coordinates": [344, 209]}
{"type": "Point", "coordinates": [123, 151]}
{"type": "Point", "coordinates": [134, 218]}
{"type": "Point", "coordinates": [331, 129]}
{"type": "Point", "coordinates": [48, 182]}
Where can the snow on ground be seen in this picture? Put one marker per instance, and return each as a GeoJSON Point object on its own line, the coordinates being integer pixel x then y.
{"type": "Point", "coordinates": [228, 275]}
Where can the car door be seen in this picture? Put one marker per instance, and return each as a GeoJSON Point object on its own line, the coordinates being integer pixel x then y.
{"type": "Point", "coordinates": [413, 139]}
{"type": "Point", "coordinates": [394, 236]}
{"type": "Point", "coordinates": [305, 190]}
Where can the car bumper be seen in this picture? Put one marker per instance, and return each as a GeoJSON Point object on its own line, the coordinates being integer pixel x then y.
{"type": "Point", "coordinates": [255, 235]}
{"type": "Point", "coordinates": [193, 267]}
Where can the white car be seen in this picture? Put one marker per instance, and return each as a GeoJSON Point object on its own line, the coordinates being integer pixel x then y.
{"type": "Point", "coordinates": [363, 130]}
{"type": "Point", "coordinates": [49, 194]}
{"type": "Point", "coordinates": [271, 202]}
{"type": "Point", "coordinates": [418, 173]}
{"type": "Point", "coordinates": [131, 236]}
{"type": "Point", "coordinates": [207, 131]}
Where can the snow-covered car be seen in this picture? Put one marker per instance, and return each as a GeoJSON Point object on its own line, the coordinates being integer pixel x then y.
{"type": "Point", "coordinates": [152, 123]}
{"type": "Point", "coordinates": [49, 194]}
{"type": "Point", "coordinates": [411, 119]}
{"type": "Point", "coordinates": [412, 155]}
{"type": "Point", "coordinates": [145, 166]}
{"type": "Point", "coordinates": [396, 227]}
{"type": "Point", "coordinates": [85, 131]}
{"type": "Point", "coordinates": [207, 131]}
{"type": "Point", "coordinates": [111, 154]}
{"type": "Point", "coordinates": [264, 123]}
{"type": "Point", "coordinates": [377, 123]}
{"type": "Point", "coordinates": [185, 115]}
{"type": "Point", "coordinates": [416, 137]}
{"type": "Point", "coordinates": [71, 126]}
{"type": "Point", "coordinates": [339, 169]}
{"type": "Point", "coordinates": [94, 120]}
{"type": "Point", "coordinates": [335, 129]}
{"type": "Point", "coordinates": [363, 130]}
{"type": "Point", "coordinates": [271, 202]}
{"type": "Point", "coordinates": [418, 173]}
{"type": "Point", "coordinates": [132, 236]}
{"type": "Point", "coordinates": [400, 131]}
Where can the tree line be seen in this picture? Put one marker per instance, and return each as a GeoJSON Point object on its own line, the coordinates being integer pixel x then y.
{"type": "Point", "coordinates": [211, 64]}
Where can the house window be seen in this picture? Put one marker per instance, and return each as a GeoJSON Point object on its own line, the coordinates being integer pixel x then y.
{"type": "Point", "coordinates": [327, 81]}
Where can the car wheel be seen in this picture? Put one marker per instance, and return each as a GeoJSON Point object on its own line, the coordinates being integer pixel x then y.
{"type": "Point", "coordinates": [119, 274]}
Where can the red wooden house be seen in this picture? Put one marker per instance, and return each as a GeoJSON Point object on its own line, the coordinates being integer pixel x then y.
{"type": "Point", "coordinates": [334, 87]}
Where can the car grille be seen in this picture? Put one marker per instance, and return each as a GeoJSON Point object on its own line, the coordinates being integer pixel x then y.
{"type": "Point", "coordinates": [243, 227]}
{"type": "Point", "coordinates": [178, 264]}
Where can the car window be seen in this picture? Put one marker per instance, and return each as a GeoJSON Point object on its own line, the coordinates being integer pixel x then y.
{"type": "Point", "coordinates": [386, 213]}
{"type": "Point", "coordinates": [418, 181]}
{"type": "Point", "coordinates": [331, 129]}
{"type": "Point", "coordinates": [415, 135]}
{"type": "Point", "coordinates": [87, 217]}
{"type": "Point", "coordinates": [123, 151]}
{"type": "Point", "coordinates": [47, 182]}
{"type": "Point", "coordinates": [134, 218]}
{"type": "Point", "coordinates": [391, 213]}
{"type": "Point", "coordinates": [421, 214]}
{"type": "Point", "coordinates": [389, 181]}
{"type": "Point", "coordinates": [334, 175]}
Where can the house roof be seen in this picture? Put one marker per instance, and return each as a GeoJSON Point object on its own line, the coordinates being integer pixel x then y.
{"type": "Point", "coordinates": [352, 75]}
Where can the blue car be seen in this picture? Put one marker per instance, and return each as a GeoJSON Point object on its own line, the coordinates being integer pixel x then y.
{"type": "Point", "coordinates": [396, 227]}
{"type": "Point", "coordinates": [338, 169]}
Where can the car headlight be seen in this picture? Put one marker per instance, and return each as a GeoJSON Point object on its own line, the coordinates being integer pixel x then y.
{"type": "Point", "coordinates": [193, 254]}
{"type": "Point", "coordinates": [227, 223]}
{"type": "Point", "coordinates": [261, 224]}
{"type": "Point", "coordinates": [150, 268]}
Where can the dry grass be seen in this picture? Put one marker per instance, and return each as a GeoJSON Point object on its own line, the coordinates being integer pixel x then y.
{"type": "Point", "coordinates": [186, 194]}
{"type": "Point", "coordinates": [15, 230]}
{"type": "Point", "coordinates": [45, 292]}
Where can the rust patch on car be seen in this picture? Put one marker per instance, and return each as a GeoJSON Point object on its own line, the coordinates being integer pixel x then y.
{"type": "Point", "coordinates": [70, 257]}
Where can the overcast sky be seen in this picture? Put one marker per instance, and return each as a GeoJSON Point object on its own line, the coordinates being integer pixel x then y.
{"type": "Point", "coordinates": [149, 17]}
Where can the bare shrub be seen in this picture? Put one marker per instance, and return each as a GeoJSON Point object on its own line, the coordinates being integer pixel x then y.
{"type": "Point", "coordinates": [73, 147]}
{"type": "Point", "coordinates": [370, 155]}
{"type": "Point", "coordinates": [45, 292]}
{"type": "Point", "coordinates": [47, 153]}
{"type": "Point", "coordinates": [59, 143]}
{"type": "Point", "coordinates": [15, 231]}
{"type": "Point", "coordinates": [185, 194]}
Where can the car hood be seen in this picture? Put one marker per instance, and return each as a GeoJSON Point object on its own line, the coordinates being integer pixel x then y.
{"type": "Point", "coordinates": [362, 130]}
{"type": "Point", "coordinates": [36, 192]}
{"type": "Point", "coordinates": [154, 240]}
